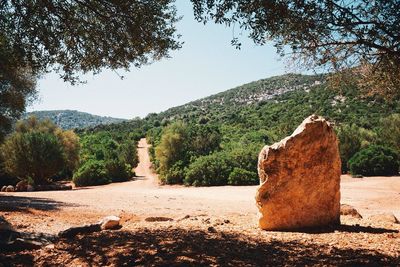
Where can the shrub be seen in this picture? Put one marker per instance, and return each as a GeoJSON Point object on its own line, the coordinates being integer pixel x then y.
{"type": "Point", "coordinates": [174, 175]}
{"type": "Point", "coordinates": [374, 161]}
{"type": "Point", "coordinates": [389, 133]}
{"type": "Point", "coordinates": [242, 177]}
{"type": "Point", "coordinates": [6, 179]}
{"type": "Point", "coordinates": [128, 153]}
{"type": "Point", "coordinates": [118, 170]}
{"type": "Point", "coordinates": [207, 170]}
{"type": "Point", "coordinates": [40, 150]}
{"type": "Point", "coordinates": [351, 140]}
{"type": "Point", "coordinates": [92, 172]}
{"type": "Point", "coordinates": [38, 155]}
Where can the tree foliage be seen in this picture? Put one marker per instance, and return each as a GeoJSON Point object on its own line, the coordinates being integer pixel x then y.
{"type": "Point", "coordinates": [17, 89]}
{"type": "Point", "coordinates": [358, 36]}
{"type": "Point", "coordinates": [351, 140]}
{"type": "Point", "coordinates": [35, 155]}
{"type": "Point", "coordinates": [180, 144]}
{"type": "Point", "coordinates": [107, 156]}
{"type": "Point", "coordinates": [389, 132]}
{"type": "Point", "coordinates": [75, 37]}
{"type": "Point", "coordinates": [92, 172]}
{"type": "Point", "coordinates": [39, 150]}
{"type": "Point", "coordinates": [86, 36]}
{"type": "Point", "coordinates": [375, 160]}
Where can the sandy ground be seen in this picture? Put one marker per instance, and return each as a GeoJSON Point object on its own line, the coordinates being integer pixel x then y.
{"type": "Point", "coordinates": [226, 209]}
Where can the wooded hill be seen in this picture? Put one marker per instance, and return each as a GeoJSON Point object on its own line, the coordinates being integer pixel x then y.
{"type": "Point", "coordinates": [216, 140]}
{"type": "Point", "coordinates": [71, 119]}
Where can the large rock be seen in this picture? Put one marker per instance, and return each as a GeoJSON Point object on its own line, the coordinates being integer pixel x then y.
{"type": "Point", "coordinates": [110, 222]}
{"type": "Point", "coordinates": [300, 179]}
{"type": "Point", "coordinates": [22, 186]}
{"type": "Point", "coordinates": [10, 188]}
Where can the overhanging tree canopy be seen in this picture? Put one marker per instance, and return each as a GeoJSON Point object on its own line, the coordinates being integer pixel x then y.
{"type": "Point", "coordinates": [82, 36]}
{"type": "Point", "coordinates": [77, 36]}
{"type": "Point", "coordinates": [360, 35]}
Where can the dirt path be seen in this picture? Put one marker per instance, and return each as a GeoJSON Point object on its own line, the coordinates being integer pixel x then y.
{"type": "Point", "coordinates": [228, 209]}
{"type": "Point", "coordinates": [146, 177]}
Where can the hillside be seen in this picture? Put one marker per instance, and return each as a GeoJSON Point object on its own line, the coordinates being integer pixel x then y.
{"type": "Point", "coordinates": [71, 119]}
{"type": "Point", "coordinates": [279, 102]}
{"type": "Point", "coordinates": [215, 140]}
{"type": "Point", "coordinates": [244, 95]}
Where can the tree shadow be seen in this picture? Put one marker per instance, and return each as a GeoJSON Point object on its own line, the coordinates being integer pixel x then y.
{"type": "Point", "coordinates": [24, 204]}
{"type": "Point", "coordinates": [180, 247]}
{"type": "Point", "coordinates": [139, 178]}
{"type": "Point", "coordinates": [345, 228]}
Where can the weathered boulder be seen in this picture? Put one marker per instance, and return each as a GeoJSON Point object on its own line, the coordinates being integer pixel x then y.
{"type": "Point", "coordinates": [300, 179]}
{"type": "Point", "coordinates": [3, 188]}
{"type": "Point", "coordinates": [10, 188]}
{"type": "Point", "coordinates": [21, 186]}
{"type": "Point", "coordinates": [110, 222]}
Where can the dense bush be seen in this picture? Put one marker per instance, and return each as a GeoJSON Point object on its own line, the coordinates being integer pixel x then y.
{"type": "Point", "coordinates": [6, 179]}
{"type": "Point", "coordinates": [240, 176]}
{"type": "Point", "coordinates": [118, 170]}
{"type": "Point", "coordinates": [117, 152]}
{"type": "Point", "coordinates": [375, 160]}
{"type": "Point", "coordinates": [207, 170]}
{"type": "Point", "coordinates": [40, 151]}
{"type": "Point", "coordinates": [389, 132]}
{"type": "Point", "coordinates": [175, 174]}
{"type": "Point", "coordinates": [92, 172]}
{"type": "Point", "coordinates": [351, 140]}
{"type": "Point", "coordinates": [127, 153]}
{"type": "Point", "coordinates": [35, 155]}
{"type": "Point", "coordinates": [179, 145]}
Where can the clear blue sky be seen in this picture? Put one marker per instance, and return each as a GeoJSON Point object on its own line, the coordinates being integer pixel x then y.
{"type": "Point", "coordinates": [206, 64]}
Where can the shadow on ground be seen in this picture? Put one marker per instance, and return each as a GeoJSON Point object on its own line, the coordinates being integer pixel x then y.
{"type": "Point", "coordinates": [345, 228]}
{"type": "Point", "coordinates": [18, 203]}
{"type": "Point", "coordinates": [179, 247]}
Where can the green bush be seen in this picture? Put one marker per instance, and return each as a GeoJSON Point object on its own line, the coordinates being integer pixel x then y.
{"type": "Point", "coordinates": [374, 161]}
{"type": "Point", "coordinates": [38, 155]}
{"type": "Point", "coordinates": [351, 140]}
{"type": "Point", "coordinates": [118, 170]}
{"type": "Point", "coordinates": [92, 172]}
{"type": "Point", "coordinates": [128, 153]}
{"type": "Point", "coordinates": [208, 170]}
{"type": "Point", "coordinates": [242, 177]}
{"type": "Point", "coordinates": [174, 175]}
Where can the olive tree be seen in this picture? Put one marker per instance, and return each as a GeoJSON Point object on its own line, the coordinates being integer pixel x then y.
{"type": "Point", "coordinates": [357, 38]}
{"type": "Point", "coordinates": [39, 150]}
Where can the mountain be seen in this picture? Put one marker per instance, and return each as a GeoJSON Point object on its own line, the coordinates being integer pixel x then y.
{"type": "Point", "coordinates": [71, 119]}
